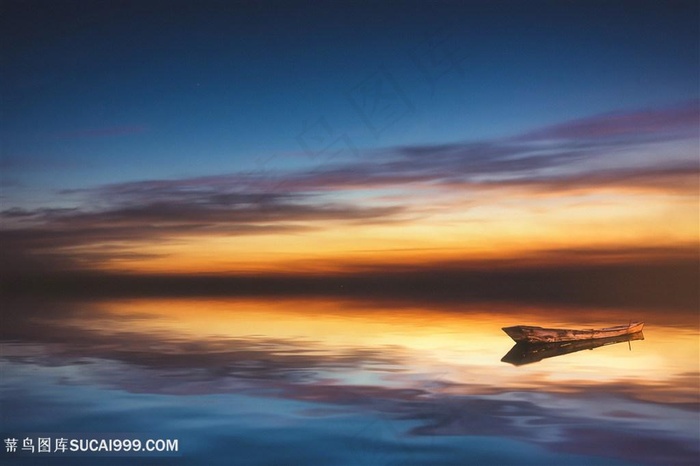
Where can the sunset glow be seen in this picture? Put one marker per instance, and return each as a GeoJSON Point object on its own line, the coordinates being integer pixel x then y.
{"type": "Point", "coordinates": [463, 339]}
{"type": "Point", "coordinates": [496, 229]}
{"type": "Point", "coordinates": [292, 232]}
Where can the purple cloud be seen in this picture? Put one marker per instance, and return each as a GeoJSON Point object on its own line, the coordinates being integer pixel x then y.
{"type": "Point", "coordinates": [246, 203]}
{"type": "Point", "coordinates": [527, 160]}
{"type": "Point", "coordinates": [678, 121]}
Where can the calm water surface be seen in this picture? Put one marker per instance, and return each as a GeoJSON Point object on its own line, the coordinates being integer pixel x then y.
{"type": "Point", "coordinates": [314, 381]}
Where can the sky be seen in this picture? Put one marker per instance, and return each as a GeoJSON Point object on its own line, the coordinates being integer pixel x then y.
{"type": "Point", "coordinates": [295, 138]}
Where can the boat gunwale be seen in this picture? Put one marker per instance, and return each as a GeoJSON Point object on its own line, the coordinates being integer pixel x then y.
{"type": "Point", "coordinates": [536, 334]}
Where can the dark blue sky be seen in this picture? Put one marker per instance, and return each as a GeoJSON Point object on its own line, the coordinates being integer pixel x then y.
{"type": "Point", "coordinates": [105, 92]}
{"type": "Point", "coordinates": [235, 136]}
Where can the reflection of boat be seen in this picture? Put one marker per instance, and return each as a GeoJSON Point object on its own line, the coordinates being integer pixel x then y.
{"type": "Point", "coordinates": [527, 353]}
{"type": "Point", "coordinates": [525, 333]}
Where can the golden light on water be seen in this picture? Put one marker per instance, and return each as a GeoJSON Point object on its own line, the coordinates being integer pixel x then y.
{"type": "Point", "coordinates": [454, 346]}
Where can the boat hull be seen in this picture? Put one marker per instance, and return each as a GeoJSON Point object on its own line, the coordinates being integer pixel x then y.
{"type": "Point", "coordinates": [528, 353]}
{"type": "Point", "coordinates": [530, 334]}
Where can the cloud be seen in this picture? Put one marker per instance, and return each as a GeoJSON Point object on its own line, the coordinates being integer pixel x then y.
{"type": "Point", "coordinates": [551, 156]}
{"type": "Point", "coordinates": [582, 155]}
{"type": "Point", "coordinates": [146, 214]}
{"type": "Point", "coordinates": [477, 167]}
{"type": "Point", "coordinates": [673, 178]}
{"type": "Point", "coordinates": [112, 219]}
{"type": "Point", "coordinates": [673, 122]}
{"type": "Point", "coordinates": [599, 151]}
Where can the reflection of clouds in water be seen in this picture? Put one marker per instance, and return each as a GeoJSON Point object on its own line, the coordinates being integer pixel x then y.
{"type": "Point", "coordinates": [189, 367]}
{"type": "Point", "coordinates": [574, 423]}
{"type": "Point", "coordinates": [579, 418]}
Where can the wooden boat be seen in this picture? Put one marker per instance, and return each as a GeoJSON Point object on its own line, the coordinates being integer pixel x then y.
{"type": "Point", "coordinates": [525, 333]}
{"type": "Point", "coordinates": [528, 353]}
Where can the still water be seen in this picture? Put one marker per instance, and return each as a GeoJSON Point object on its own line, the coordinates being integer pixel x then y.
{"type": "Point", "coordinates": [337, 382]}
